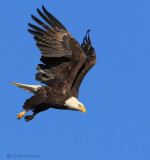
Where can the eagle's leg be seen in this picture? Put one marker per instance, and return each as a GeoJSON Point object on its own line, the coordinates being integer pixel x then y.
{"type": "Point", "coordinates": [30, 104]}
{"type": "Point", "coordinates": [21, 114]}
{"type": "Point", "coordinates": [29, 117]}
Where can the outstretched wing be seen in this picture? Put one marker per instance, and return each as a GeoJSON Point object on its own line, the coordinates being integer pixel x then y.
{"type": "Point", "coordinates": [88, 64]}
{"type": "Point", "coordinates": [61, 53]}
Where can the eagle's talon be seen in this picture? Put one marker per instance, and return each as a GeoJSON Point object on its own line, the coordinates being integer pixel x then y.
{"type": "Point", "coordinates": [28, 118]}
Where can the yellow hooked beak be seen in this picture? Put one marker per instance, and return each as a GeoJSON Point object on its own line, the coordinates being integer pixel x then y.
{"type": "Point", "coordinates": [82, 108]}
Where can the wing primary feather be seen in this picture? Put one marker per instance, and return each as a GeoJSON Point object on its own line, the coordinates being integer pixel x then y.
{"type": "Point", "coordinates": [34, 33]}
{"type": "Point", "coordinates": [45, 18]}
{"type": "Point", "coordinates": [89, 40]}
{"type": "Point", "coordinates": [40, 22]}
{"type": "Point", "coordinates": [37, 28]}
{"type": "Point", "coordinates": [53, 19]}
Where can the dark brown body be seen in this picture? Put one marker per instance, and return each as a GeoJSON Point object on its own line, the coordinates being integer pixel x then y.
{"type": "Point", "coordinates": [47, 98]}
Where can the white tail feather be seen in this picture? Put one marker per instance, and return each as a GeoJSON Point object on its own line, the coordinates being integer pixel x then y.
{"type": "Point", "coordinates": [30, 88]}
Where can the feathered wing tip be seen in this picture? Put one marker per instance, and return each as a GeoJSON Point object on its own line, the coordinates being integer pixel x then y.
{"type": "Point", "coordinates": [86, 39]}
{"type": "Point", "coordinates": [51, 37]}
{"type": "Point", "coordinates": [31, 88]}
{"type": "Point", "coordinates": [86, 45]}
{"type": "Point", "coordinates": [53, 19]}
{"type": "Point", "coordinates": [49, 19]}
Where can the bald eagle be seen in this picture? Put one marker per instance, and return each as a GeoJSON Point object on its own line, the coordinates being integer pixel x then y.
{"type": "Point", "coordinates": [64, 65]}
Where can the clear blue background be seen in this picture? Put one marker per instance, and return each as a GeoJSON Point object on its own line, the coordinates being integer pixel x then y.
{"type": "Point", "coordinates": [116, 92]}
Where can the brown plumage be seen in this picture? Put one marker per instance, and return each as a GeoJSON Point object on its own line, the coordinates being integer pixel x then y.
{"type": "Point", "coordinates": [65, 63]}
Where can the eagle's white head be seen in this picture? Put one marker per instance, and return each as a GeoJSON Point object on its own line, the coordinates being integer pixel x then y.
{"type": "Point", "coordinates": [73, 104]}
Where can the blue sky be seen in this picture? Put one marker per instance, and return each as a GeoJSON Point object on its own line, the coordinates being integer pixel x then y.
{"type": "Point", "coordinates": [116, 92]}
